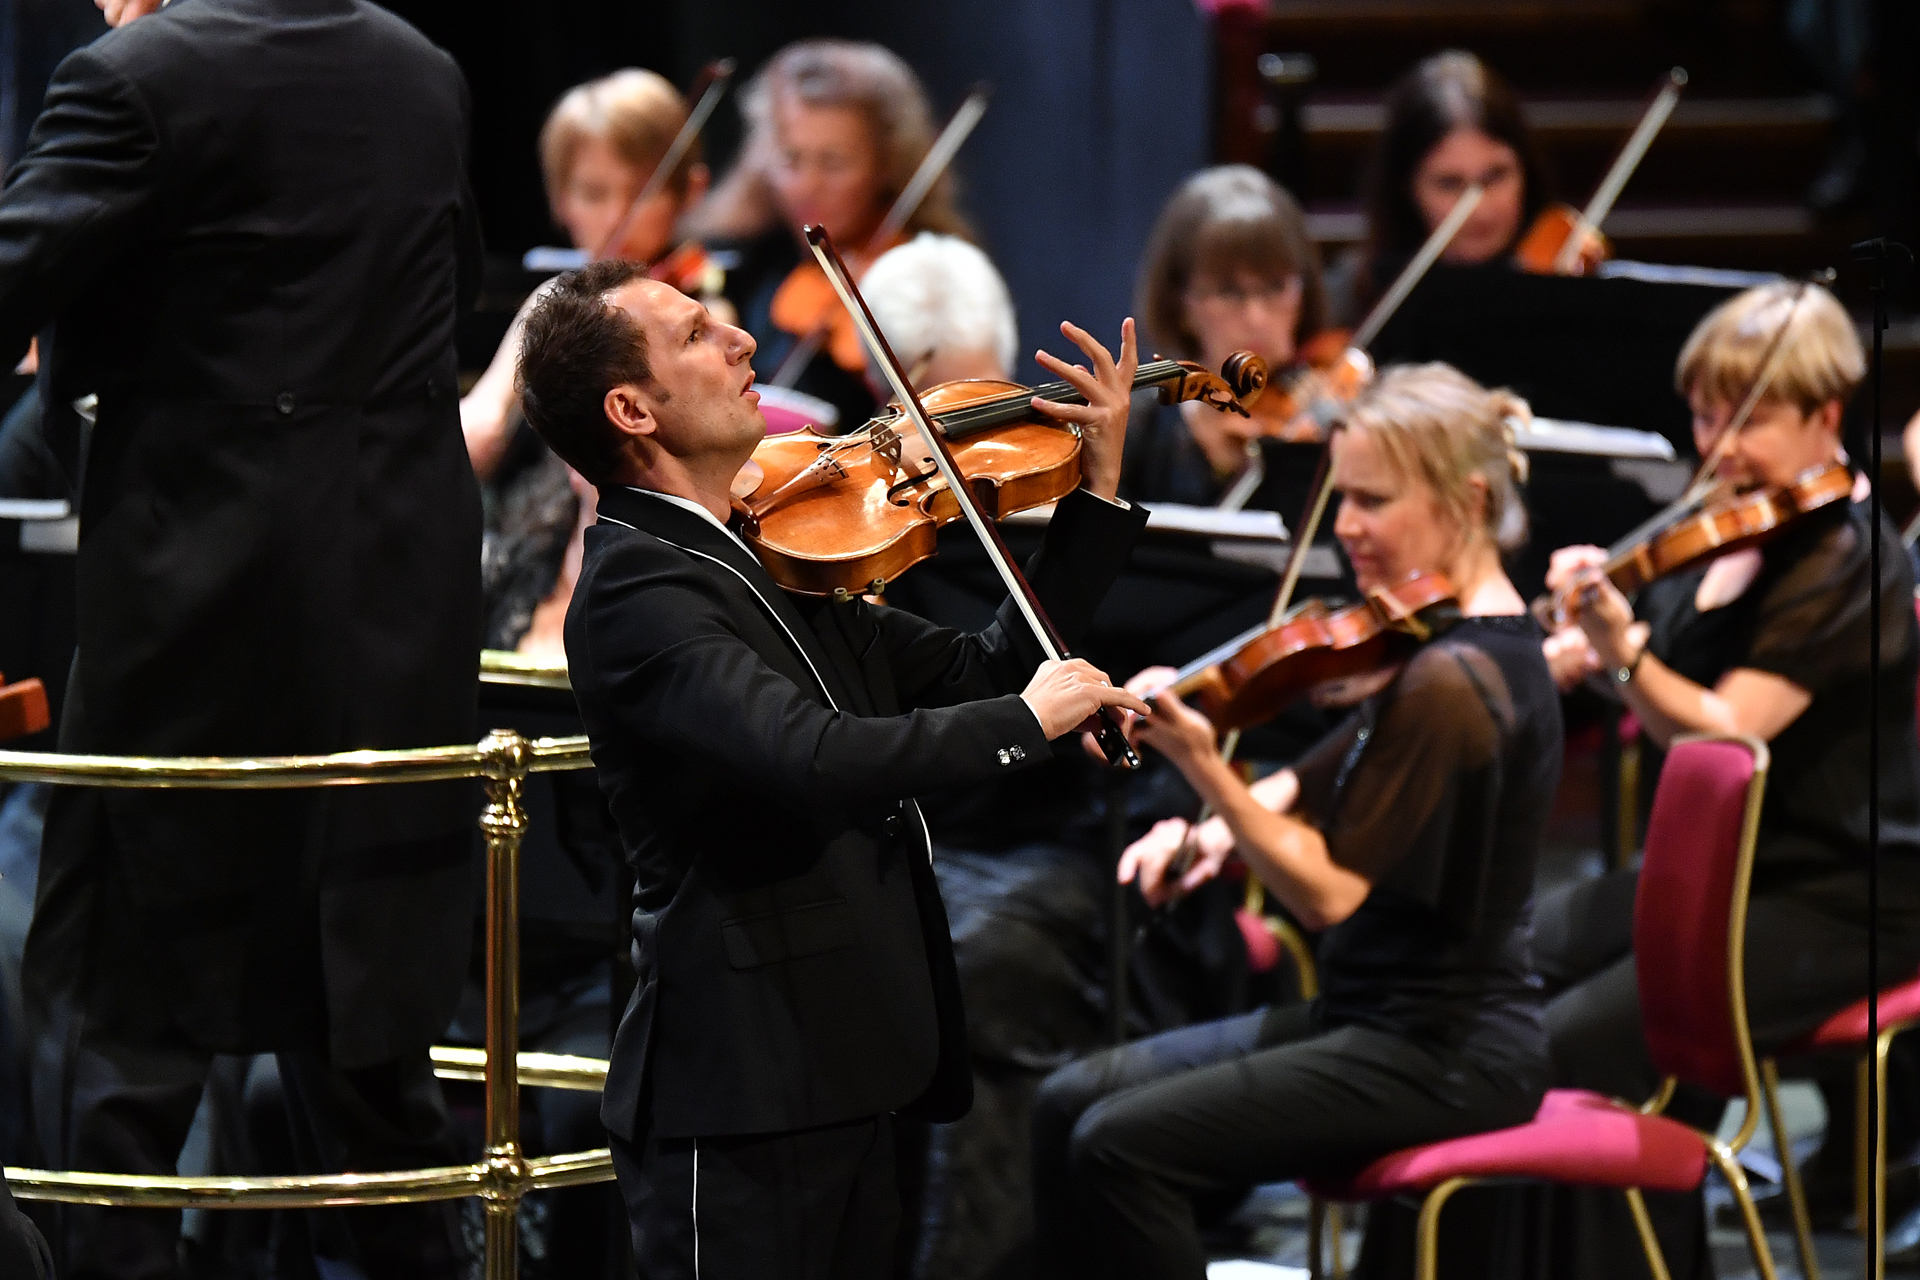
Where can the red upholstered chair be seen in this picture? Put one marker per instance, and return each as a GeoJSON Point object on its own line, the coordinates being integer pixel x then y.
{"type": "Point", "coordinates": [1689, 929]}
{"type": "Point", "coordinates": [1846, 1031]}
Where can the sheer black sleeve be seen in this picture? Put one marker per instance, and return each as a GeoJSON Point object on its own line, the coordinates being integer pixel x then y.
{"type": "Point", "coordinates": [1422, 750]}
{"type": "Point", "coordinates": [1810, 625]}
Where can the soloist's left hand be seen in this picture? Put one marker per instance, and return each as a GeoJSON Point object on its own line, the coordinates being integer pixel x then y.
{"type": "Point", "coordinates": [1108, 388]}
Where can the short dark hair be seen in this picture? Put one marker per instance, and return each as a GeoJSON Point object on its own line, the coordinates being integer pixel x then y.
{"type": "Point", "coordinates": [577, 347]}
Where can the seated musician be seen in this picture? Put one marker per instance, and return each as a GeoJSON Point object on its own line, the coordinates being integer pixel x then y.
{"type": "Point", "coordinates": [598, 147]}
{"type": "Point", "coordinates": [1408, 836]}
{"type": "Point", "coordinates": [1230, 267]}
{"type": "Point", "coordinates": [835, 130]}
{"type": "Point", "coordinates": [758, 749]}
{"type": "Point", "coordinates": [1771, 642]}
{"type": "Point", "coordinates": [1452, 121]}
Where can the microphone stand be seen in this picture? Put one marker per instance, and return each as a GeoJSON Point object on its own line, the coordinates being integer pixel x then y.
{"type": "Point", "coordinates": [1883, 255]}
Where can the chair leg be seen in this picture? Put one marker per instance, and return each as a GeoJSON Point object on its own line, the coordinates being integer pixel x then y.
{"type": "Point", "coordinates": [1789, 1171]}
{"type": "Point", "coordinates": [1336, 1241]}
{"type": "Point", "coordinates": [1428, 1264]}
{"type": "Point", "coordinates": [1729, 1165]}
{"type": "Point", "coordinates": [1316, 1216]}
{"type": "Point", "coordinates": [1649, 1242]}
{"type": "Point", "coordinates": [1880, 1048]}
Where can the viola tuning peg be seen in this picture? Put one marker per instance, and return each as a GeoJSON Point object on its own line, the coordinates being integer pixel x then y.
{"type": "Point", "coordinates": [1245, 373]}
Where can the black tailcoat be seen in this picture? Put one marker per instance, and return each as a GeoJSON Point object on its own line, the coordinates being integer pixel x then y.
{"type": "Point", "coordinates": [760, 752]}
{"type": "Point", "coordinates": [243, 225]}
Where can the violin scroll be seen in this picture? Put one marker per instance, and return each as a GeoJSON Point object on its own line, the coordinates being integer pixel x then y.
{"type": "Point", "coordinates": [1233, 390]}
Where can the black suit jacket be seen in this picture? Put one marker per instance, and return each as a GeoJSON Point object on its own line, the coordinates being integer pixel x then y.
{"type": "Point", "coordinates": [759, 751]}
{"type": "Point", "coordinates": [243, 224]}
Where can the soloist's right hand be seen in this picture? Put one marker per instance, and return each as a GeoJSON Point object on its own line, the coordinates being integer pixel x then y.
{"type": "Point", "coordinates": [1065, 695]}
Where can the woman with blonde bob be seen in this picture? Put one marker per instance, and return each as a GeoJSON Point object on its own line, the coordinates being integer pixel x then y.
{"type": "Point", "coordinates": [1407, 838]}
{"type": "Point", "coordinates": [1773, 643]}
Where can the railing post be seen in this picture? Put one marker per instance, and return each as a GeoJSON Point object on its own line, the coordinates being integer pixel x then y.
{"type": "Point", "coordinates": [504, 821]}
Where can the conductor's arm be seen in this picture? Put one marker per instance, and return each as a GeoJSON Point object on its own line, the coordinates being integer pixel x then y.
{"type": "Point", "coordinates": [90, 174]}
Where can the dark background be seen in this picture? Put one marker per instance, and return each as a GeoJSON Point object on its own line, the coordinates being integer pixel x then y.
{"type": "Point", "coordinates": [1100, 107]}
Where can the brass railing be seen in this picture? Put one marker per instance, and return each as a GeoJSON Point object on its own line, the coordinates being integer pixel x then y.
{"type": "Point", "coordinates": [503, 1174]}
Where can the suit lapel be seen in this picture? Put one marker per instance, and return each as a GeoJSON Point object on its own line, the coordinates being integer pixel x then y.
{"type": "Point", "coordinates": [681, 528]}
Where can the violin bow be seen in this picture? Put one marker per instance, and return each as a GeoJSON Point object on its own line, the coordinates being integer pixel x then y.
{"type": "Point", "coordinates": [1635, 149]}
{"type": "Point", "coordinates": [706, 92]}
{"type": "Point", "coordinates": [904, 206]}
{"type": "Point", "coordinates": [1113, 742]}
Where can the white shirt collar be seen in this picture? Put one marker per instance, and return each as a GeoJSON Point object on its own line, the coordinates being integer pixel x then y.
{"type": "Point", "coordinates": [688, 504]}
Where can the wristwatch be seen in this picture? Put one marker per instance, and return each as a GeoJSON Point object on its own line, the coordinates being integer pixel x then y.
{"type": "Point", "coordinates": [1624, 673]}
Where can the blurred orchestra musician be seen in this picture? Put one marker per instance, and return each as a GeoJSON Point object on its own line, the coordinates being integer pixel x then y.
{"type": "Point", "coordinates": [598, 147]}
{"type": "Point", "coordinates": [1408, 837]}
{"type": "Point", "coordinates": [835, 130]}
{"type": "Point", "coordinates": [1772, 642]}
{"type": "Point", "coordinates": [1229, 268]}
{"type": "Point", "coordinates": [1451, 122]}
{"type": "Point", "coordinates": [246, 227]}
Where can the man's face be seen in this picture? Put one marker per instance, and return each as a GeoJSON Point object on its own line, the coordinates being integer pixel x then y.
{"type": "Point", "coordinates": [701, 399]}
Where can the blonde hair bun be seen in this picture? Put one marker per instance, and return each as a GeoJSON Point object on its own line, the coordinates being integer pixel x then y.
{"type": "Point", "coordinates": [1438, 426]}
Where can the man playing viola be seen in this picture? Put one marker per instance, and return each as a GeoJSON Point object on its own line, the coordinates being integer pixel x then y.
{"type": "Point", "coordinates": [796, 978]}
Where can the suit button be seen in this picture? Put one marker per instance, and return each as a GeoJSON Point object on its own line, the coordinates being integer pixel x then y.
{"type": "Point", "coordinates": [892, 824]}
{"type": "Point", "coordinates": [284, 402]}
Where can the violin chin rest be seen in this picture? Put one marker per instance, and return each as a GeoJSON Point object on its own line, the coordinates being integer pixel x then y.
{"type": "Point", "coordinates": [747, 481]}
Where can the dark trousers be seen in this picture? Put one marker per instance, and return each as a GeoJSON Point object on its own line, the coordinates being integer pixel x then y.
{"type": "Point", "coordinates": [1805, 959]}
{"type": "Point", "coordinates": [115, 1085]}
{"type": "Point", "coordinates": [1124, 1140]}
{"type": "Point", "coordinates": [819, 1204]}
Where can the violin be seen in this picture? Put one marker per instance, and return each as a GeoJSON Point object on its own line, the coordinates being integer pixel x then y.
{"type": "Point", "coordinates": [1313, 396]}
{"type": "Point", "coordinates": [1701, 531]}
{"type": "Point", "coordinates": [1310, 397]}
{"type": "Point", "coordinates": [23, 708]}
{"type": "Point", "coordinates": [847, 514]}
{"type": "Point", "coordinates": [1107, 732]}
{"type": "Point", "coordinates": [1564, 241]}
{"type": "Point", "coordinates": [1254, 676]}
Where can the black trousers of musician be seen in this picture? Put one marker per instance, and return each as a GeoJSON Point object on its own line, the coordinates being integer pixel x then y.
{"type": "Point", "coordinates": [116, 1084]}
{"type": "Point", "coordinates": [1126, 1139]}
{"type": "Point", "coordinates": [1806, 959]}
{"type": "Point", "coordinates": [818, 1204]}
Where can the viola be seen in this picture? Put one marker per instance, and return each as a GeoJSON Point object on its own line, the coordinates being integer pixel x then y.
{"type": "Point", "coordinates": [806, 306]}
{"type": "Point", "coordinates": [691, 270]}
{"type": "Point", "coordinates": [1564, 241]}
{"type": "Point", "coordinates": [831, 514]}
{"type": "Point", "coordinates": [1314, 395]}
{"type": "Point", "coordinates": [1697, 532]}
{"type": "Point", "coordinates": [1254, 676]}
{"type": "Point", "coordinates": [1310, 397]}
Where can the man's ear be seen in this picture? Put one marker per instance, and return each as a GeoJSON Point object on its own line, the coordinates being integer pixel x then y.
{"type": "Point", "coordinates": [631, 410]}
